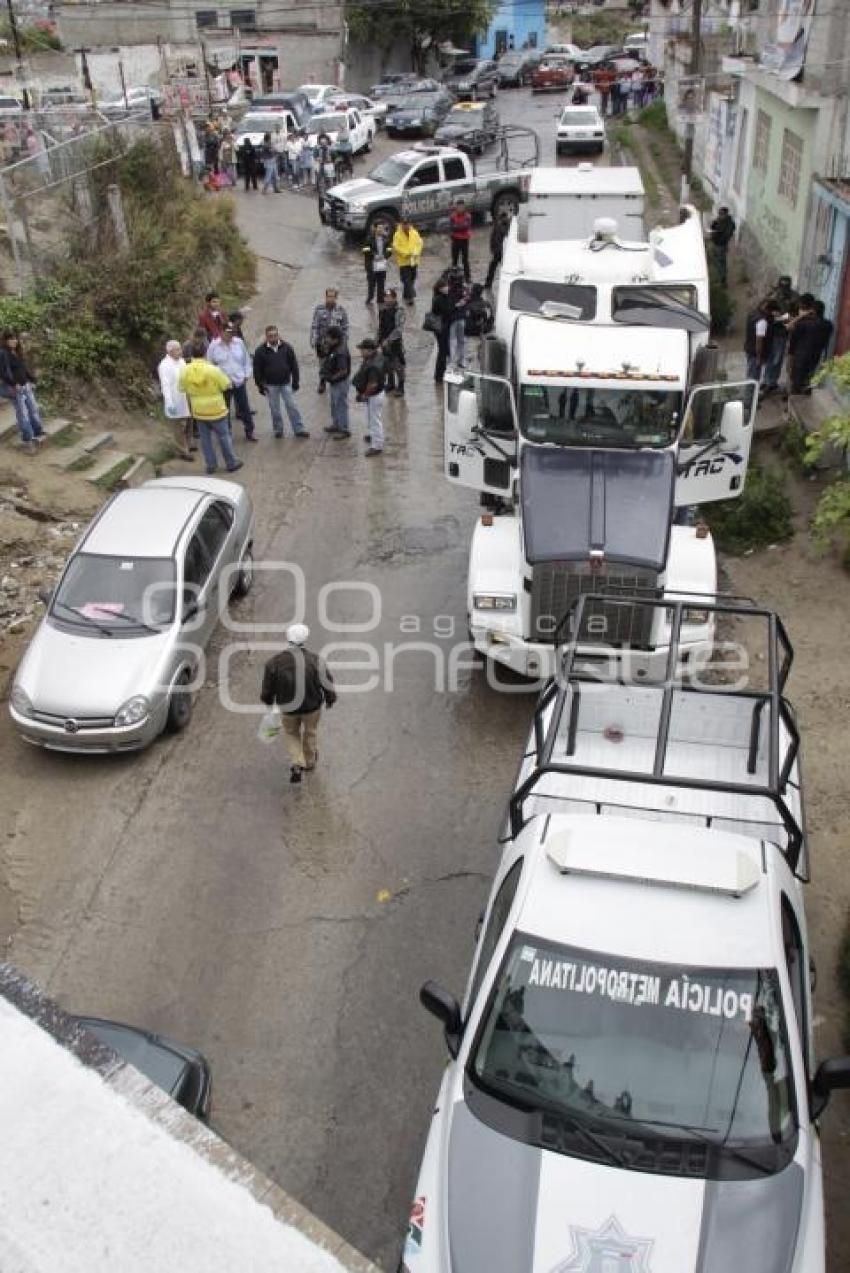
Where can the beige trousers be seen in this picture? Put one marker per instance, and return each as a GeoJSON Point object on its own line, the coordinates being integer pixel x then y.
{"type": "Point", "coordinates": [301, 736]}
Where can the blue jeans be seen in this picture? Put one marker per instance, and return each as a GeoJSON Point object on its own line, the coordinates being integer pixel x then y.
{"type": "Point", "coordinates": [457, 341]}
{"type": "Point", "coordinates": [239, 405]}
{"type": "Point", "coordinates": [754, 367]}
{"type": "Point", "coordinates": [339, 405]}
{"type": "Point", "coordinates": [773, 367]}
{"type": "Point", "coordinates": [208, 429]}
{"type": "Point", "coordinates": [27, 415]}
{"type": "Point", "coordinates": [270, 177]}
{"type": "Point", "coordinates": [276, 393]}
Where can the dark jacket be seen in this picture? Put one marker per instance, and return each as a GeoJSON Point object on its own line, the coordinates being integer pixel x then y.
{"type": "Point", "coordinates": [298, 681]}
{"type": "Point", "coordinates": [369, 378]}
{"type": "Point", "coordinates": [336, 365]}
{"type": "Point", "coordinates": [373, 252]}
{"type": "Point", "coordinates": [750, 333]}
{"type": "Point", "coordinates": [479, 317]}
{"type": "Point", "coordinates": [444, 307]}
{"type": "Point", "coordinates": [722, 231]}
{"type": "Point", "coordinates": [275, 366]}
{"type": "Point", "coordinates": [497, 237]}
{"type": "Point", "coordinates": [13, 369]}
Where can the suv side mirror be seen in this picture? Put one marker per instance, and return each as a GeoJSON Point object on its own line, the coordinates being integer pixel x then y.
{"type": "Point", "coordinates": [445, 1008]}
{"type": "Point", "coordinates": [831, 1075]}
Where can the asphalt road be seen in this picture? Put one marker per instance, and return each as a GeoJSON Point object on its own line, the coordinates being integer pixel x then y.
{"type": "Point", "coordinates": [285, 931]}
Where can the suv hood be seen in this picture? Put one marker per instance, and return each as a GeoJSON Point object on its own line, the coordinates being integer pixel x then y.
{"type": "Point", "coordinates": [575, 501]}
{"type": "Point", "coordinates": [514, 1206]}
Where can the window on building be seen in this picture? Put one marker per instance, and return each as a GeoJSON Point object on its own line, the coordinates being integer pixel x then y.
{"type": "Point", "coordinates": [790, 163]}
{"type": "Point", "coordinates": [741, 157]}
{"type": "Point", "coordinates": [761, 143]}
{"type": "Point", "coordinates": [205, 18]}
{"type": "Point", "coordinates": [243, 19]}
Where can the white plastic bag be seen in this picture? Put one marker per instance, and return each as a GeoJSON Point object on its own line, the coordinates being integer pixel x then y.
{"type": "Point", "coordinates": [270, 725]}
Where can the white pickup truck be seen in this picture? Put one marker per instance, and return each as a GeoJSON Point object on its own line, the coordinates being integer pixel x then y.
{"type": "Point", "coordinates": [425, 181]}
{"type": "Point", "coordinates": [361, 128]}
{"type": "Point", "coordinates": [632, 1082]}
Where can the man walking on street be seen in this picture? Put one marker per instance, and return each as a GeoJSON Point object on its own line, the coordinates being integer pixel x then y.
{"type": "Point", "coordinates": [501, 225]}
{"type": "Point", "coordinates": [391, 341]}
{"type": "Point", "coordinates": [230, 354]}
{"type": "Point", "coordinates": [276, 376]}
{"type": "Point", "coordinates": [204, 386]}
{"type": "Point", "coordinates": [299, 682]}
{"type": "Point", "coordinates": [407, 251]}
{"type": "Point", "coordinates": [460, 229]}
{"type": "Point", "coordinates": [721, 233]}
{"type": "Point", "coordinates": [336, 371]}
{"type": "Point", "coordinates": [368, 383]}
{"type": "Point", "coordinates": [331, 314]}
{"type": "Point", "coordinates": [376, 249]}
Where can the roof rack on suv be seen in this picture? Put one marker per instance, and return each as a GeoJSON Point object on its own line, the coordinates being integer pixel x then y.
{"type": "Point", "coordinates": [691, 744]}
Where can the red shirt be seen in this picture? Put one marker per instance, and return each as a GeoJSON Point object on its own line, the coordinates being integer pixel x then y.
{"type": "Point", "coordinates": [213, 324]}
{"type": "Point", "coordinates": [461, 225]}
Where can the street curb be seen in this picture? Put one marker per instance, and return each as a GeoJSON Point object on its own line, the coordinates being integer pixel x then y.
{"type": "Point", "coordinates": [155, 1104]}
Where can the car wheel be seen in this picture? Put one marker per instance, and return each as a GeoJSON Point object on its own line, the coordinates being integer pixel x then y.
{"type": "Point", "coordinates": [245, 576]}
{"type": "Point", "coordinates": [180, 704]}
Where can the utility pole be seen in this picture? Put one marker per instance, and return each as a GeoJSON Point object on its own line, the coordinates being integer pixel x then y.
{"type": "Point", "coordinates": [16, 40]}
{"type": "Point", "coordinates": [202, 47]}
{"type": "Point", "coordinates": [694, 64]}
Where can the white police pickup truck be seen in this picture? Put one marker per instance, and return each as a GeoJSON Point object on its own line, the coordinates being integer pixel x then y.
{"type": "Point", "coordinates": [425, 182]}
{"type": "Point", "coordinates": [632, 1082]}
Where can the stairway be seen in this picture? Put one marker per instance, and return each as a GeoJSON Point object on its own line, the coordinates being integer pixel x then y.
{"type": "Point", "coordinates": [75, 448]}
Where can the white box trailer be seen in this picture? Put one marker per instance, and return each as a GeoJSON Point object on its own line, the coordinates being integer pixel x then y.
{"type": "Point", "coordinates": [565, 203]}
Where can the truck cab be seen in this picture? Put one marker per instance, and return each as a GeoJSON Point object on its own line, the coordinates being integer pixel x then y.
{"type": "Point", "coordinates": [590, 438]}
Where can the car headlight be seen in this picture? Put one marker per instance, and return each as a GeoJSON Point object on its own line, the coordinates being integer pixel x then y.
{"type": "Point", "coordinates": [20, 702]}
{"type": "Point", "coordinates": [357, 207]}
{"type": "Point", "coordinates": [133, 711]}
{"type": "Point", "coordinates": [494, 601]}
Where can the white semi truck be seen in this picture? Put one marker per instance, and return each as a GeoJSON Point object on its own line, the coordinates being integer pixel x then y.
{"type": "Point", "coordinates": [592, 430]}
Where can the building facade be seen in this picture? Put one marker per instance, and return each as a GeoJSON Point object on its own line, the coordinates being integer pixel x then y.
{"type": "Point", "coordinates": [516, 24]}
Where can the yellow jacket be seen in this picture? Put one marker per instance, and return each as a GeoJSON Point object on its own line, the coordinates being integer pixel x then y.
{"type": "Point", "coordinates": [204, 385]}
{"type": "Point", "coordinates": [407, 248]}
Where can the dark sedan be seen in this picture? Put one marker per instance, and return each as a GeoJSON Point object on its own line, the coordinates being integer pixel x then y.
{"type": "Point", "coordinates": [418, 115]}
{"type": "Point", "coordinates": [179, 1070]}
{"type": "Point", "coordinates": [473, 78]}
{"type": "Point", "coordinates": [516, 68]}
{"type": "Point", "coordinates": [469, 126]}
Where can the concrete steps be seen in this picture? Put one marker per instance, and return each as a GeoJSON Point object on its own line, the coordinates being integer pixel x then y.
{"type": "Point", "coordinates": [71, 450]}
{"type": "Point", "coordinates": [82, 455]}
{"type": "Point", "coordinates": [110, 467]}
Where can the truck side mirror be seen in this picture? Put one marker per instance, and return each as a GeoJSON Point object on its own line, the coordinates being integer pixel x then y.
{"type": "Point", "coordinates": [467, 410]}
{"type": "Point", "coordinates": [831, 1075]}
{"type": "Point", "coordinates": [445, 1008]}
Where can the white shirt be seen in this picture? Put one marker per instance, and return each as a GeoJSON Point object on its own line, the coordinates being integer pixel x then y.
{"type": "Point", "coordinates": [761, 328]}
{"type": "Point", "coordinates": [176, 403]}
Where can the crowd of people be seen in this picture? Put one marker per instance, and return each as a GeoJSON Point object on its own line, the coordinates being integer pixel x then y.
{"type": "Point", "coordinates": [620, 91]}
{"type": "Point", "coordinates": [281, 159]}
{"type": "Point", "coordinates": [786, 328]}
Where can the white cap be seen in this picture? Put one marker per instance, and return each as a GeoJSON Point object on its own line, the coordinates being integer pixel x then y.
{"type": "Point", "coordinates": [297, 633]}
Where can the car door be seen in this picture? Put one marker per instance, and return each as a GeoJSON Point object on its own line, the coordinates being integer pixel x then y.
{"type": "Point", "coordinates": [195, 576]}
{"type": "Point", "coordinates": [217, 533]}
{"type": "Point", "coordinates": [422, 191]}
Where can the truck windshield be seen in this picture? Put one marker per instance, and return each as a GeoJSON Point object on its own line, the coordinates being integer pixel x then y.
{"type": "Point", "coordinates": [527, 295]}
{"type": "Point", "coordinates": [391, 172]}
{"type": "Point", "coordinates": [573, 415]}
{"type": "Point", "coordinates": [679, 1070]}
{"type": "Point", "coordinates": [659, 307]}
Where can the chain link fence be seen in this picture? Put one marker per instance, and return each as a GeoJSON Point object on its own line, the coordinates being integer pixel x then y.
{"type": "Point", "coordinates": [51, 191]}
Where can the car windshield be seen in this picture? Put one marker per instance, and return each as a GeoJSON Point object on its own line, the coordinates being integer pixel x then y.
{"type": "Point", "coordinates": [580, 118]}
{"type": "Point", "coordinates": [464, 68]}
{"type": "Point", "coordinates": [259, 124]}
{"type": "Point", "coordinates": [584, 415]}
{"type": "Point", "coordinates": [392, 171]}
{"type": "Point", "coordinates": [331, 123]}
{"type": "Point", "coordinates": [108, 594]}
{"type": "Point", "coordinates": [420, 102]}
{"type": "Point", "coordinates": [568, 300]}
{"type": "Point", "coordinates": [664, 1068]}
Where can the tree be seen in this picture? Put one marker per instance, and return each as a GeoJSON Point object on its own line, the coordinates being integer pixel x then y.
{"type": "Point", "coordinates": [421, 24]}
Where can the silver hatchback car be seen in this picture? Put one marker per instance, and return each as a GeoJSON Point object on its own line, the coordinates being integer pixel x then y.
{"type": "Point", "coordinates": [114, 660]}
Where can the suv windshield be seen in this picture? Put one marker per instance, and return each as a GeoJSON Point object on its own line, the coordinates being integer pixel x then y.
{"type": "Point", "coordinates": [116, 594]}
{"type": "Point", "coordinates": [391, 172]}
{"type": "Point", "coordinates": [579, 415]}
{"type": "Point", "coordinates": [679, 1070]}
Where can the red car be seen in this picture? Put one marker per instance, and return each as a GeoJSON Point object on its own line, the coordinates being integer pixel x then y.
{"type": "Point", "coordinates": [551, 75]}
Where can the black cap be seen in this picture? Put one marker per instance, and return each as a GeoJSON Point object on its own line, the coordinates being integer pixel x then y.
{"type": "Point", "coordinates": [368, 343]}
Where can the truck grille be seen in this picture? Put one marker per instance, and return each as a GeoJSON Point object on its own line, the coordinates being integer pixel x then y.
{"type": "Point", "coordinates": [556, 585]}
{"type": "Point", "coordinates": [334, 209]}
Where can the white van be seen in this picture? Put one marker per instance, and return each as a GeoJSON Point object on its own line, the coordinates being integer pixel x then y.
{"type": "Point", "coordinates": [637, 43]}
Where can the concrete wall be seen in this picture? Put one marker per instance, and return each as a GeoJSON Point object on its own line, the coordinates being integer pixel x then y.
{"type": "Point", "coordinates": [523, 20]}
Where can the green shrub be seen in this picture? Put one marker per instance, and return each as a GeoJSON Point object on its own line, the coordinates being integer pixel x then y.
{"type": "Point", "coordinates": [654, 117]}
{"type": "Point", "coordinates": [762, 515]}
